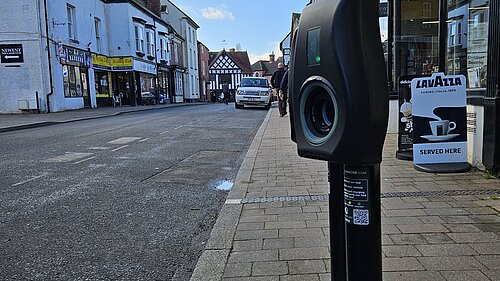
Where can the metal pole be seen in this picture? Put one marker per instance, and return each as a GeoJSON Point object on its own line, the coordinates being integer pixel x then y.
{"type": "Point", "coordinates": [363, 223]}
{"type": "Point", "coordinates": [443, 34]}
{"type": "Point", "coordinates": [337, 226]}
{"type": "Point", "coordinates": [37, 103]}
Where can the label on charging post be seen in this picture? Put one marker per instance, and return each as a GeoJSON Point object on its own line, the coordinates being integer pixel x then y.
{"type": "Point", "coordinates": [356, 203]}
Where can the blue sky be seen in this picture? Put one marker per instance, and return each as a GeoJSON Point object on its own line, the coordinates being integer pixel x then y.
{"type": "Point", "coordinates": [257, 25]}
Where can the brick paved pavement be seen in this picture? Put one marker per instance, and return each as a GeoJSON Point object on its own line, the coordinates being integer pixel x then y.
{"type": "Point", "coordinates": [274, 225]}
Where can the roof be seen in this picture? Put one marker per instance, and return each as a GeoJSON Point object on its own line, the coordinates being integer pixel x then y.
{"type": "Point", "coordinates": [267, 66]}
{"type": "Point", "coordinates": [240, 58]}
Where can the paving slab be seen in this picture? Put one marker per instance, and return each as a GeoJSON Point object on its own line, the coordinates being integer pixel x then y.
{"type": "Point", "coordinates": [434, 226]}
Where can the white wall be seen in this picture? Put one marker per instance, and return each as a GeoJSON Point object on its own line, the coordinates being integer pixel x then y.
{"type": "Point", "coordinates": [22, 81]}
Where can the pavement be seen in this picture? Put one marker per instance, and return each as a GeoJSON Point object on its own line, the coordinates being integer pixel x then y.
{"type": "Point", "coordinates": [274, 225]}
{"type": "Point", "coordinates": [12, 122]}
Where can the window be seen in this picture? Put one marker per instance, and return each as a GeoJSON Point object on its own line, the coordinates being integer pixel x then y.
{"type": "Point", "coordinates": [162, 46]}
{"type": "Point", "coordinates": [71, 21]}
{"type": "Point", "coordinates": [189, 31]}
{"type": "Point", "coordinates": [97, 25]}
{"type": "Point", "coordinates": [190, 58]}
{"type": "Point", "coordinates": [426, 10]}
{"type": "Point", "coordinates": [149, 43]}
{"type": "Point", "coordinates": [74, 81]}
{"type": "Point", "coordinates": [139, 39]}
{"type": "Point", "coordinates": [467, 49]}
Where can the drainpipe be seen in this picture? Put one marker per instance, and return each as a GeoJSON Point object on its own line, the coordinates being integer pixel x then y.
{"type": "Point", "coordinates": [49, 57]}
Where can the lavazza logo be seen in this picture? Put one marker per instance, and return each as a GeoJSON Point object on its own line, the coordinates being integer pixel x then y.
{"type": "Point", "coordinates": [439, 81]}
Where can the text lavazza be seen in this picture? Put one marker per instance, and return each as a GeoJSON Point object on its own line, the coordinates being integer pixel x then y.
{"type": "Point", "coordinates": [439, 82]}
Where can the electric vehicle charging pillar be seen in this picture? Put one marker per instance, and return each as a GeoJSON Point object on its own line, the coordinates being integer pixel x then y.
{"type": "Point", "coordinates": [339, 113]}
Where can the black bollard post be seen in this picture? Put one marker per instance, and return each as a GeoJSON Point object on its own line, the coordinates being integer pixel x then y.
{"type": "Point", "coordinates": [363, 223]}
{"type": "Point", "coordinates": [337, 225]}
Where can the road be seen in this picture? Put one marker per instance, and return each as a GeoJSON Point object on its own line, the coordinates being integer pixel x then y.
{"type": "Point", "coordinates": [127, 197]}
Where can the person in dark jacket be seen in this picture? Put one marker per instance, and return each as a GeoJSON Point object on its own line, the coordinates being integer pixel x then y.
{"type": "Point", "coordinates": [225, 91]}
{"type": "Point", "coordinates": [283, 94]}
{"type": "Point", "coordinates": [277, 77]}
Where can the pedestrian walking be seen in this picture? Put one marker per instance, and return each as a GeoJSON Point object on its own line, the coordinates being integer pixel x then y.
{"type": "Point", "coordinates": [225, 91]}
{"type": "Point", "coordinates": [283, 94]}
{"type": "Point", "coordinates": [276, 78]}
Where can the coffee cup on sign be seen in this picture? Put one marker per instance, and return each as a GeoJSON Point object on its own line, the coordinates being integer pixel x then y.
{"type": "Point", "coordinates": [442, 127]}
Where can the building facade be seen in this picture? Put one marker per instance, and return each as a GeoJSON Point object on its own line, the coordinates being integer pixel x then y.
{"type": "Point", "coordinates": [79, 55]}
{"type": "Point", "coordinates": [229, 66]}
{"type": "Point", "coordinates": [187, 29]}
{"type": "Point", "coordinates": [204, 78]}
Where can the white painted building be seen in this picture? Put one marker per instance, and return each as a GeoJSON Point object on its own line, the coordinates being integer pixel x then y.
{"type": "Point", "coordinates": [187, 28]}
{"type": "Point", "coordinates": [95, 51]}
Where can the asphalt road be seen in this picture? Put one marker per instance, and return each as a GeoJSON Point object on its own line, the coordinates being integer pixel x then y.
{"type": "Point", "coordinates": [131, 197]}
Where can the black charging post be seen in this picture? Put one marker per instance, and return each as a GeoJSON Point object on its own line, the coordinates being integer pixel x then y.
{"type": "Point", "coordinates": [337, 225]}
{"type": "Point", "coordinates": [339, 108]}
{"type": "Point", "coordinates": [363, 222]}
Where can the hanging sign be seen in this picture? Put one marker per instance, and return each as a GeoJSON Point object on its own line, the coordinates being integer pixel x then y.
{"type": "Point", "coordinates": [439, 119]}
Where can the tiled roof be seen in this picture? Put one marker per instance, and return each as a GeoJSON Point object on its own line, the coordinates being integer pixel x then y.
{"type": "Point", "coordinates": [268, 67]}
{"type": "Point", "coordinates": [239, 57]}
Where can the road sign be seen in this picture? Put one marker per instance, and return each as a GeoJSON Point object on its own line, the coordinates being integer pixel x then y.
{"type": "Point", "coordinates": [12, 53]}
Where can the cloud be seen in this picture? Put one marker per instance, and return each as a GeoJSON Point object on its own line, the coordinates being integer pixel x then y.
{"type": "Point", "coordinates": [216, 13]}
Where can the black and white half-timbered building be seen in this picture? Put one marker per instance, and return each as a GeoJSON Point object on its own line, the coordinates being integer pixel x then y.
{"type": "Point", "coordinates": [230, 67]}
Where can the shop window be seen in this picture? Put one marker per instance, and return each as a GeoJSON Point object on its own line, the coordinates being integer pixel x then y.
{"type": "Point", "coordinates": [75, 81]}
{"type": "Point", "coordinates": [71, 14]}
{"type": "Point", "coordinates": [467, 48]}
{"type": "Point", "coordinates": [416, 47]}
{"type": "Point", "coordinates": [101, 84]}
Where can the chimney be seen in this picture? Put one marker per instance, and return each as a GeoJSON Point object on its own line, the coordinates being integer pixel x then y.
{"type": "Point", "coordinates": [271, 57]}
{"type": "Point", "coordinates": [232, 49]}
{"type": "Point", "coordinates": [154, 6]}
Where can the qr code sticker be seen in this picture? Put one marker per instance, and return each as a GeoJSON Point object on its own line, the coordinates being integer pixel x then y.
{"type": "Point", "coordinates": [360, 217]}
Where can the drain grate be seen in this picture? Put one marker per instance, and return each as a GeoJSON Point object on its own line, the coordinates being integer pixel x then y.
{"type": "Point", "coordinates": [285, 199]}
{"type": "Point", "coordinates": [441, 193]}
{"type": "Point", "coordinates": [383, 195]}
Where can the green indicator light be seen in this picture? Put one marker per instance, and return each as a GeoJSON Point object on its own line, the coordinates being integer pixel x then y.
{"type": "Point", "coordinates": [318, 59]}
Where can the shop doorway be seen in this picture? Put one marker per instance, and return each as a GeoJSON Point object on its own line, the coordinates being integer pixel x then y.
{"type": "Point", "coordinates": [123, 86]}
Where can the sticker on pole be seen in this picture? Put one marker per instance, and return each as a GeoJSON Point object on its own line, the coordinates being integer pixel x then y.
{"type": "Point", "coordinates": [356, 203]}
{"type": "Point", "coordinates": [439, 119]}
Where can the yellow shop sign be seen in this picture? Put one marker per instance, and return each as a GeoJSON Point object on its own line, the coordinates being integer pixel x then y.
{"type": "Point", "coordinates": [123, 63]}
{"type": "Point", "coordinates": [101, 62]}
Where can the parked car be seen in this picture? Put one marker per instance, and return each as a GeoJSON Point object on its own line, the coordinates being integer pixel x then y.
{"type": "Point", "coordinates": [148, 98]}
{"type": "Point", "coordinates": [253, 91]}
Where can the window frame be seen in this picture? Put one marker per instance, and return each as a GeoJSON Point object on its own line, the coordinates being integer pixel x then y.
{"type": "Point", "coordinates": [97, 27]}
{"type": "Point", "coordinates": [71, 21]}
{"type": "Point", "coordinates": [139, 39]}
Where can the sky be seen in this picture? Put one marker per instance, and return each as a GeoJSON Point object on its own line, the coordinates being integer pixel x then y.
{"type": "Point", "coordinates": [258, 26]}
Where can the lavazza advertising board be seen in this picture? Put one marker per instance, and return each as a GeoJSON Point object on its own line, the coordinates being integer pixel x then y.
{"type": "Point", "coordinates": [439, 119]}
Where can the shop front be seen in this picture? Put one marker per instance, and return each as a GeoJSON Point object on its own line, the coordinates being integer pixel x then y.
{"type": "Point", "coordinates": [163, 84]}
{"type": "Point", "coordinates": [145, 79]}
{"type": "Point", "coordinates": [123, 80]}
{"type": "Point", "coordinates": [454, 37]}
{"type": "Point", "coordinates": [75, 65]}
{"type": "Point", "coordinates": [102, 80]}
